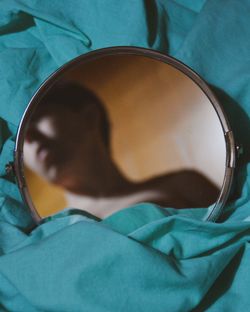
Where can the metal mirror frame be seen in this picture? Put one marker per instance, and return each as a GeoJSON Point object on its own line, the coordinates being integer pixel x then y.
{"type": "Point", "coordinates": [18, 165]}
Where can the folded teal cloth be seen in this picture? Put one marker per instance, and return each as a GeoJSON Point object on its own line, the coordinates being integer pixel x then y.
{"type": "Point", "coordinates": [140, 258]}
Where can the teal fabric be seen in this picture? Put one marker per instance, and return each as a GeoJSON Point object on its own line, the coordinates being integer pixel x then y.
{"type": "Point", "coordinates": [141, 258]}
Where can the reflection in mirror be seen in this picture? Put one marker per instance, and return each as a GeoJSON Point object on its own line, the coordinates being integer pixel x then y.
{"type": "Point", "coordinates": [121, 130]}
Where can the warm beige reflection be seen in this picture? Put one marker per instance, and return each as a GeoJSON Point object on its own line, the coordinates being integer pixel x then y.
{"type": "Point", "coordinates": [160, 122]}
{"type": "Point", "coordinates": [48, 198]}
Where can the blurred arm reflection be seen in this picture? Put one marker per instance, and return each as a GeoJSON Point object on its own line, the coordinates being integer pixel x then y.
{"type": "Point", "coordinates": [68, 143]}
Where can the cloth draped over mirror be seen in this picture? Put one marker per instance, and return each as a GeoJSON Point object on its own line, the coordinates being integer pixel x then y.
{"type": "Point", "coordinates": [154, 262]}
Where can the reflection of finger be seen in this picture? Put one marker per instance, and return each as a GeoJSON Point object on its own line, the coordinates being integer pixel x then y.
{"type": "Point", "coordinates": [42, 154]}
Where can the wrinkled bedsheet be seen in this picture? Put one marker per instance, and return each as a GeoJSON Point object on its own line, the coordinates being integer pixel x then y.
{"type": "Point", "coordinates": [137, 259]}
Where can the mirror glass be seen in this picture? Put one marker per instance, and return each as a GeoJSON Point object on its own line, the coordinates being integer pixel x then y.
{"type": "Point", "coordinates": [119, 130]}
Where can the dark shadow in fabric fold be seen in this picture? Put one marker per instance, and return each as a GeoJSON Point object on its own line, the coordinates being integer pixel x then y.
{"type": "Point", "coordinates": [20, 22]}
{"type": "Point", "coordinates": [157, 26]}
{"type": "Point", "coordinates": [5, 132]}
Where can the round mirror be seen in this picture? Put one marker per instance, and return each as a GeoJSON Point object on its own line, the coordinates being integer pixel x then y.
{"type": "Point", "coordinates": [122, 126]}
